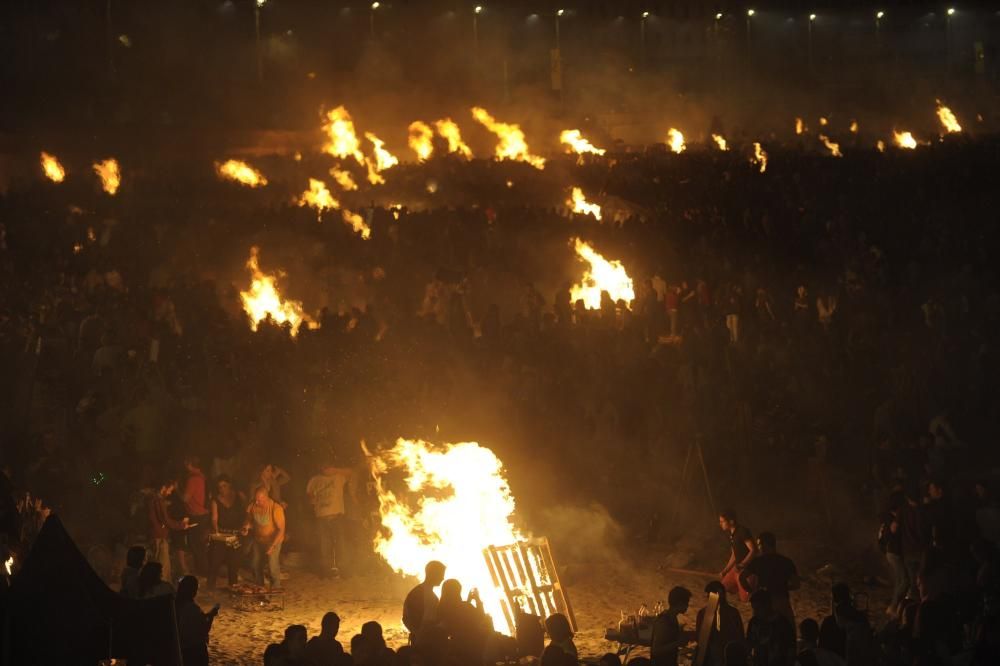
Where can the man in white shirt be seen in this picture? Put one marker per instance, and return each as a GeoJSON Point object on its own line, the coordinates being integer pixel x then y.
{"type": "Point", "coordinates": [326, 493]}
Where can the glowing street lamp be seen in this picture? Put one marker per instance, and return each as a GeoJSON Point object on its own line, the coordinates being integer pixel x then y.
{"type": "Point", "coordinates": [947, 34]}
{"type": "Point", "coordinates": [375, 5]}
{"type": "Point", "coordinates": [559, 12]}
{"type": "Point", "coordinates": [750, 14]}
{"type": "Point", "coordinates": [642, 35]}
{"type": "Point", "coordinates": [256, 23]}
{"type": "Point", "coordinates": [809, 42]}
{"type": "Point", "coordinates": [879, 15]}
{"type": "Point", "coordinates": [475, 30]}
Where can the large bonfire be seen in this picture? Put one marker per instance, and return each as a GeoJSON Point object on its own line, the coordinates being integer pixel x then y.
{"type": "Point", "coordinates": [443, 502]}
{"type": "Point", "coordinates": [600, 276]}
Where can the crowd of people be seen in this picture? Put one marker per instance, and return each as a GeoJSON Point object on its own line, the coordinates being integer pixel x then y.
{"type": "Point", "coordinates": [832, 311]}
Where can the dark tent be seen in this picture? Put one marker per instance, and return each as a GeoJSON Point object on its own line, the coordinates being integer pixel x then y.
{"type": "Point", "coordinates": [58, 611]}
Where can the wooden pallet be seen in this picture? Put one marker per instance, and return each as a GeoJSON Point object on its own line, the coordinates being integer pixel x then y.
{"type": "Point", "coordinates": [526, 574]}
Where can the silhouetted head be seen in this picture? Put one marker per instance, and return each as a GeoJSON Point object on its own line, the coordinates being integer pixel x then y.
{"type": "Point", "coordinates": [187, 589]}
{"type": "Point", "coordinates": [135, 557]}
{"type": "Point", "coordinates": [330, 625]}
{"type": "Point", "coordinates": [557, 627]}
{"type": "Point", "coordinates": [678, 598]}
{"type": "Point", "coordinates": [434, 573]}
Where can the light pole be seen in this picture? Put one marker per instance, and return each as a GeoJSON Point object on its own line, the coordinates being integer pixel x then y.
{"type": "Point", "coordinates": [750, 14]}
{"type": "Point", "coordinates": [475, 31]}
{"type": "Point", "coordinates": [559, 12]}
{"type": "Point", "coordinates": [256, 24]}
{"type": "Point", "coordinates": [809, 44]}
{"type": "Point", "coordinates": [375, 5]}
{"type": "Point", "coordinates": [947, 35]}
{"type": "Point", "coordinates": [642, 37]}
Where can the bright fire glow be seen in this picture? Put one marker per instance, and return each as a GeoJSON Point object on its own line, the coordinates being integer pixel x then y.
{"type": "Point", "coordinates": [318, 197]}
{"type": "Point", "coordinates": [373, 175]}
{"type": "Point", "coordinates": [800, 126]}
{"type": "Point", "coordinates": [109, 174]}
{"type": "Point", "coordinates": [262, 300]}
{"type": "Point", "coordinates": [581, 205]}
{"type": "Point", "coordinates": [9, 565]}
{"type": "Point", "coordinates": [675, 140]}
{"type": "Point", "coordinates": [854, 127]}
{"type": "Point", "coordinates": [574, 139]}
{"type": "Point", "coordinates": [512, 145]}
{"type": "Point", "coordinates": [880, 146]}
{"type": "Point", "coordinates": [904, 140]}
{"type": "Point", "coordinates": [720, 141]}
{"type": "Point", "coordinates": [421, 139]}
{"type": "Point", "coordinates": [343, 141]}
{"type": "Point", "coordinates": [357, 223]}
{"type": "Point", "coordinates": [823, 121]}
{"type": "Point", "coordinates": [53, 170]}
{"type": "Point", "coordinates": [344, 179]}
{"type": "Point", "coordinates": [445, 503]}
{"type": "Point", "coordinates": [241, 172]}
{"type": "Point", "coordinates": [448, 129]}
{"type": "Point", "coordinates": [947, 118]}
{"type": "Point", "coordinates": [602, 275]}
{"type": "Point", "coordinates": [759, 157]}
{"type": "Point", "coordinates": [383, 160]}
{"type": "Point", "coordinates": [834, 148]}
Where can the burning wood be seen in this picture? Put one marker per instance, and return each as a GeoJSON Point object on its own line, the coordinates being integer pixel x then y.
{"type": "Point", "coordinates": [318, 197]}
{"type": "Point", "coordinates": [577, 144]}
{"type": "Point", "coordinates": [383, 160]}
{"type": "Point", "coordinates": [53, 170]}
{"type": "Point", "coordinates": [342, 141]}
{"type": "Point", "coordinates": [240, 172]}
{"type": "Point", "coordinates": [904, 140]}
{"type": "Point", "coordinates": [675, 140]}
{"type": "Point", "coordinates": [580, 205]}
{"type": "Point", "coordinates": [512, 145]}
{"type": "Point", "coordinates": [601, 275]}
{"type": "Point", "coordinates": [263, 300]}
{"type": "Point", "coordinates": [421, 139]}
{"type": "Point", "coordinates": [109, 174]}
{"type": "Point", "coordinates": [947, 118]}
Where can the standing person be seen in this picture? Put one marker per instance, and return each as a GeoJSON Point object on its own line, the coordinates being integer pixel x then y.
{"type": "Point", "coordinates": [228, 516]}
{"type": "Point", "coordinates": [727, 627]}
{"type": "Point", "coordinates": [134, 559]}
{"type": "Point", "coordinates": [160, 524]}
{"type": "Point", "coordinates": [271, 478]}
{"type": "Point", "coordinates": [773, 572]}
{"type": "Point", "coordinates": [672, 301]}
{"type": "Point", "coordinates": [668, 636]}
{"type": "Point", "coordinates": [770, 636]}
{"type": "Point", "coordinates": [914, 537]}
{"type": "Point", "coordinates": [193, 624]}
{"type": "Point", "coordinates": [733, 305]}
{"type": "Point", "coordinates": [742, 549]}
{"type": "Point", "coordinates": [266, 522]}
{"type": "Point", "coordinates": [890, 540]}
{"type": "Point", "coordinates": [420, 606]}
{"type": "Point", "coordinates": [195, 498]}
{"type": "Point", "coordinates": [326, 493]}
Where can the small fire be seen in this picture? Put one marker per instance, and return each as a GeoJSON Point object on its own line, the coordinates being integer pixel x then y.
{"type": "Point", "coordinates": [262, 300]}
{"type": "Point", "coordinates": [947, 118]}
{"type": "Point", "coordinates": [8, 565]}
{"type": "Point", "coordinates": [344, 179]}
{"type": "Point", "coordinates": [720, 141]}
{"type": "Point", "coordinates": [343, 141]}
{"type": "Point", "coordinates": [574, 139]}
{"type": "Point", "coordinates": [854, 127]}
{"type": "Point", "coordinates": [383, 160]}
{"type": "Point", "coordinates": [77, 247]}
{"type": "Point", "coordinates": [512, 145]}
{"type": "Point", "coordinates": [357, 223]}
{"type": "Point", "coordinates": [602, 275]}
{"type": "Point", "coordinates": [581, 205]}
{"type": "Point", "coordinates": [421, 139]}
{"type": "Point", "coordinates": [823, 122]}
{"type": "Point", "coordinates": [451, 502]}
{"type": "Point", "coordinates": [800, 126]}
{"type": "Point", "coordinates": [109, 174]}
{"type": "Point", "coordinates": [448, 129]}
{"type": "Point", "coordinates": [759, 157]}
{"type": "Point", "coordinates": [318, 197]}
{"type": "Point", "coordinates": [834, 148]}
{"type": "Point", "coordinates": [241, 172]}
{"type": "Point", "coordinates": [880, 146]}
{"type": "Point", "coordinates": [53, 170]}
{"type": "Point", "coordinates": [904, 140]}
{"type": "Point", "coordinates": [675, 140]}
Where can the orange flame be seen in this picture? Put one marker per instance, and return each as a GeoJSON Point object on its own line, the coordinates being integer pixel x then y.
{"type": "Point", "coordinates": [448, 129]}
{"type": "Point", "coordinates": [421, 139]}
{"type": "Point", "coordinates": [109, 174]}
{"type": "Point", "coordinates": [854, 127]}
{"type": "Point", "coordinates": [574, 139]}
{"type": "Point", "coordinates": [675, 140]}
{"type": "Point", "coordinates": [262, 300]}
{"type": "Point", "coordinates": [581, 205]}
{"type": "Point", "coordinates": [947, 118]}
{"type": "Point", "coordinates": [880, 146]}
{"type": "Point", "coordinates": [344, 179]}
{"type": "Point", "coordinates": [904, 140]}
{"type": "Point", "coordinates": [512, 145]}
{"type": "Point", "coordinates": [343, 141]}
{"type": "Point", "coordinates": [834, 148]}
{"type": "Point", "coordinates": [759, 157]}
{"type": "Point", "coordinates": [318, 197]}
{"type": "Point", "coordinates": [800, 126]}
{"type": "Point", "coordinates": [383, 160]}
{"type": "Point", "coordinates": [240, 172]}
{"type": "Point", "coordinates": [720, 141]}
{"type": "Point", "coordinates": [452, 503]}
{"type": "Point", "coordinates": [601, 275]}
{"type": "Point", "coordinates": [53, 170]}
{"type": "Point", "coordinates": [357, 223]}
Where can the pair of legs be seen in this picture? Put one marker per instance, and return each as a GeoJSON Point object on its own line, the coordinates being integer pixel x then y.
{"type": "Point", "coordinates": [733, 326]}
{"type": "Point", "coordinates": [161, 554]}
{"type": "Point", "coordinates": [219, 554]}
{"type": "Point", "coordinates": [261, 559]}
{"type": "Point", "coordinates": [331, 542]}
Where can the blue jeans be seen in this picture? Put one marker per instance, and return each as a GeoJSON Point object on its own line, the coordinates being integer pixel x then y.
{"type": "Point", "coordinates": [331, 542]}
{"type": "Point", "coordinates": [259, 558]}
{"type": "Point", "coordinates": [900, 578]}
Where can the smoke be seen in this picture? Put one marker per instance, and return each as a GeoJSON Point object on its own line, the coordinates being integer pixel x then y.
{"type": "Point", "coordinates": [581, 533]}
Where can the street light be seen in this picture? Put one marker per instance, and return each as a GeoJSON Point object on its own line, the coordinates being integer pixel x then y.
{"type": "Point", "coordinates": [750, 14]}
{"type": "Point", "coordinates": [475, 30]}
{"type": "Point", "coordinates": [256, 24]}
{"type": "Point", "coordinates": [809, 42]}
{"type": "Point", "coordinates": [375, 5]}
{"type": "Point", "coordinates": [559, 12]}
{"type": "Point", "coordinates": [642, 36]}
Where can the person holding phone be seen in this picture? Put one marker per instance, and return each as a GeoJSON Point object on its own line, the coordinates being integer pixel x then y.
{"type": "Point", "coordinates": [193, 625]}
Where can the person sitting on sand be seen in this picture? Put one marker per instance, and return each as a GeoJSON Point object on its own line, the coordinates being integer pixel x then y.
{"type": "Point", "coordinates": [293, 648]}
{"type": "Point", "coordinates": [151, 583]}
{"type": "Point", "coordinates": [420, 606]}
{"type": "Point", "coordinates": [325, 649]}
{"type": "Point", "coordinates": [561, 634]}
{"type": "Point", "coordinates": [134, 560]}
{"type": "Point", "coordinates": [193, 625]}
{"type": "Point", "coordinates": [465, 624]}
